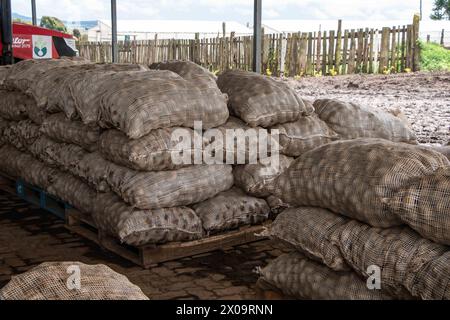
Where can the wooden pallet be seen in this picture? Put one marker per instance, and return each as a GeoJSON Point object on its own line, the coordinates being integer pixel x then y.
{"type": "Point", "coordinates": [151, 255]}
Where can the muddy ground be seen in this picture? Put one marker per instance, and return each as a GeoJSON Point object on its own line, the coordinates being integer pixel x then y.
{"type": "Point", "coordinates": [423, 97]}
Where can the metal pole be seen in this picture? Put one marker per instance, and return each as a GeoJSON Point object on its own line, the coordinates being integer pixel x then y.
{"type": "Point", "coordinates": [115, 53]}
{"type": "Point", "coordinates": [257, 36]}
{"type": "Point", "coordinates": [33, 12]}
{"type": "Point", "coordinates": [6, 32]}
{"type": "Point", "coordinates": [421, 10]}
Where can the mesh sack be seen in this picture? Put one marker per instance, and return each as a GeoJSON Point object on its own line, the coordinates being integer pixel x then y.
{"type": "Point", "coordinates": [95, 170]}
{"type": "Point", "coordinates": [353, 177]}
{"type": "Point", "coordinates": [310, 230]}
{"type": "Point", "coordinates": [353, 121]}
{"type": "Point", "coordinates": [8, 160]}
{"type": "Point", "coordinates": [4, 72]}
{"type": "Point", "coordinates": [303, 135]}
{"type": "Point", "coordinates": [35, 114]}
{"type": "Point", "coordinates": [165, 189]}
{"type": "Point", "coordinates": [410, 265]}
{"type": "Point", "coordinates": [297, 276]}
{"type": "Point", "coordinates": [276, 205]}
{"type": "Point", "coordinates": [39, 149]}
{"type": "Point", "coordinates": [25, 75]}
{"type": "Point", "coordinates": [52, 281]}
{"type": "Point", "coordinates": [259, 179]}
{"type": "Point", "coordinates": [259, 100]}
{"type": "Point", "coordinates": [140, 102]}
{"type": "Point", "coordinates": [190, 71]}
{"type": "Point", "coordinates": [445, 150]}
{"type": "Point", "coordinates": [231, 209]}
{"type": "Point", "coordinates": [74, 191]}
{"type": "Point", "coordinates": [142, 227]}
{"type": "Point", "coordinates": [85, 88]}
{"type": "Point", "coordinates": [152, 152]}
{"type": "Point", "coordinates": [424, 205]}
{"type": "Point", "coordinates": [22, 134]}
{"type": "Point", "coordinates": [59, 128]}
{"type": "Point", "coordinates": [13, 105]}
{"type": "Point", "coordinates": [240, 141]}
{"type": "Point", "coordinates": [3, 125]}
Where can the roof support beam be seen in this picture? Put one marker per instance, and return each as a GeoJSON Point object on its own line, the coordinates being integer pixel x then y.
{"type": "Point", "coordinates": [115, 51]}
{"type": "Point", "coordinates": [33, 12]}
{"type": "Point", "coordinates": [257, 39]}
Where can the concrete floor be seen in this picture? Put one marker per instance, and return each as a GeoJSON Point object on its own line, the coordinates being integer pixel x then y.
{"type": "Point", "coordinates": [30, 236]}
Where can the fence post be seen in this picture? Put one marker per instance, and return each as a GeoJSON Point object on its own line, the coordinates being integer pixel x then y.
{"type": "Point", "coordinates": [384, 51]}
{"type": "Point", "coordinates": [338, 55]}
{"type": "Point", "coordinates": [416, 46]}
{"type": "Point", "coordinates": [442, 37]}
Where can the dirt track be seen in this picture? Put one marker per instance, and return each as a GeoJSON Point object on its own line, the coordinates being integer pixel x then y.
{"type": "Point", "coordinates": [423, 97]}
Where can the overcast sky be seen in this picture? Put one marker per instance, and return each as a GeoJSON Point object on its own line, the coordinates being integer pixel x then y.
{"type": "Point", "coordinates": [239, 10]}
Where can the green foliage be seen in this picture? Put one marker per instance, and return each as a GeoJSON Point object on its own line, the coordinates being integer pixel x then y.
{"type": "Point", "coordinates": [53, 24]}
{"type": "Point", "coordinates": [434, 57]}
{"type": "Point", "coordinates": [441, 10]}
{"type": "Point", "coordinates": [77, 34]}
{"type": "Point", "coordinates": [21, 21]}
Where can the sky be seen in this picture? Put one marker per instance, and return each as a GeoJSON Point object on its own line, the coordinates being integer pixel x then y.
{"type": "Point", "coordinates": [237, 10]}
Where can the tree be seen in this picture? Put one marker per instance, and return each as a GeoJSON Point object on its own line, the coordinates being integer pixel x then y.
{"type": "Point", "coordinates": [441, 10]}
{"type": "Point", "coordinates": [53, 24]}
{"type": "Point", "coordinates": [77, 34]}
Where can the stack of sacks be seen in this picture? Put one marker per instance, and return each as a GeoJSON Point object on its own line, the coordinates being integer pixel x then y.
{"type": "Point", "coordinates": [106, 142]}
{"type": "Point", "coordinates": [48, 281]}
{"type": "Point", "coordinates": [368, 184]}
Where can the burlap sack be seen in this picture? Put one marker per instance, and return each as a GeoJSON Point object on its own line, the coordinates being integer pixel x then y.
{"type": "Point", "coordinates": [137, 103]}
{"type": "Point", "coordinates": [13, 105]}
{"type": "Point", "coordinates": [303, 135]}
{"type": "Point", "coordinates": [152, 152]}
{"type": "Point", "coordinates": [3, 125]}
{"type": "Point", "coordinates": [190, 71]}
{"type": "Point", "coordinates": [61, 129]}
{"type": "Point", "coordinates": [25, 75]}
{"type": "Point", "coordinates": [35, 114]}
{"type": "Point", "coordinates": [260, 100]}
{"type": "Point", "coordinates": [57, 281]}
{"type": "Point", "coordinates": [165, 189]}
{"type": "Point", "coordinates": [95, 170]}
{"type": "Point", "coordinates": [142, 227]}
{"type": "Point", "coordinates": [424, 205]}
{"type": "Point", "coordinates": [310, 231]}
{"type": "Point", "coordinates": [4, 72]}
{"type": "Point", "coordinates": [353, 177]}
{"type": "Point", "coordinates": [39, 149]}
{"type": "Point", "coordinates": [445, 150]}
{"type": "Point", "coordinates": [258, 180]}
{"type": "Point", "coordinates": [75, 192]}
{"type": "Point", "coordinates": [353, 121]}
{"type": "Point", "coordinates": [276, 205]}
{"type": "Point", "coordinates": [85, 88]}
{"type": "Point", "coordinates": [298, 277]}
{"type": "Point", "coordinates": [231, 209]}
{"type": "Point", "coordinates": [22, 134]}
{"type": "Point", "coordinates": [409, 264]}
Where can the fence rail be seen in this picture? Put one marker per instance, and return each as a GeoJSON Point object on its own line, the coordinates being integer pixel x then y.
{"type": "Point", "coordinates": [391, 49]}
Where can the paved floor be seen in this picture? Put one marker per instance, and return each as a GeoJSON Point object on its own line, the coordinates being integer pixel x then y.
{"type": "Point", "coordinates": [29, 236]}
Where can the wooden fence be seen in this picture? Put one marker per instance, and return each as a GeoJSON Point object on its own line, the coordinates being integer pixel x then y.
{"type": "Point", "coordinates": [389, 50]}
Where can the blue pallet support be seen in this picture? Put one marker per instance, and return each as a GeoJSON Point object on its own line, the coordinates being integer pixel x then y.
{"type": "Point", "coordinates": [42, 199]}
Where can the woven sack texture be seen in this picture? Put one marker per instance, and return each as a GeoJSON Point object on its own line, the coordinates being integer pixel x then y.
{"type": "Point", "coordinates": [95, 170]}
{"type": "Point", "coordinates": [165, 189]}
{"type": "Point", "coordinates": [231, 209]}
{"type": "Point", "coordinates": [22, 134]}
{"type": "Point", "coordinates": [276, 205]}
{"type": "Point", "coordinates": [298, 277]}
{"type": "Point", "coordinates": [13, 105]}
{"type": "Point", "coordinates": [190, 71]}
{"type": "Point", "coordinates": [259, 179]}
{"type": "Point", "coordinates": [353, 177]}
{"type": "Point", "coordinates": [310, 230]}
{"type": "Point", "coordinates": [424, 205]}
{"type": "Point", "coordinates": [152, 152]}
{"type": "Point", "coordinates": [4, 72]}
{"type": "Point", "coordinates": [4, 124]}
{"type": "Point", "coordinates": [49, 281]}
{"type": "Point", "coordinates": [353, 121]}
{"type": "Point", "coordinates": [137, 103]}
{"type": "Point", "coordinates": [140, 227]}
{"type": "Point", "coordinates": [259, 100]}
{"type": "Point", "coordinates": [303, 135]}
{"type": "Point", "coordinates": [59, 128]}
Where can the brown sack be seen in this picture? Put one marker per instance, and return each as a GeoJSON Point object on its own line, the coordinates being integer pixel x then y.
{"type": "Point", "coordinates": [231, 209]}
{"type": "Point", "coordinates": [51, 280]}
{"type": "Point", "coordinates": [301, 278]}
{"type": "Point", "coordinates": [13, 105]}
{"type": "Point", "coordinates": [4, 72]}
{"type": "Point", "coordinates": [259, 100]}
{"type": "Point", "coordinates": [22, 134]}
{"type": "Point", "coordinates": [95, 170]}
{"type": "Point", "coordinates": [352, 121]}
{"type": "Point", "coordinates": [3, 125]}
{"type": "Point", "coordinates": [141, 227]}
{"type": "Point", "coordinates": [353, 177]}
{"type": "Point", "coordinates": [303, 135]}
